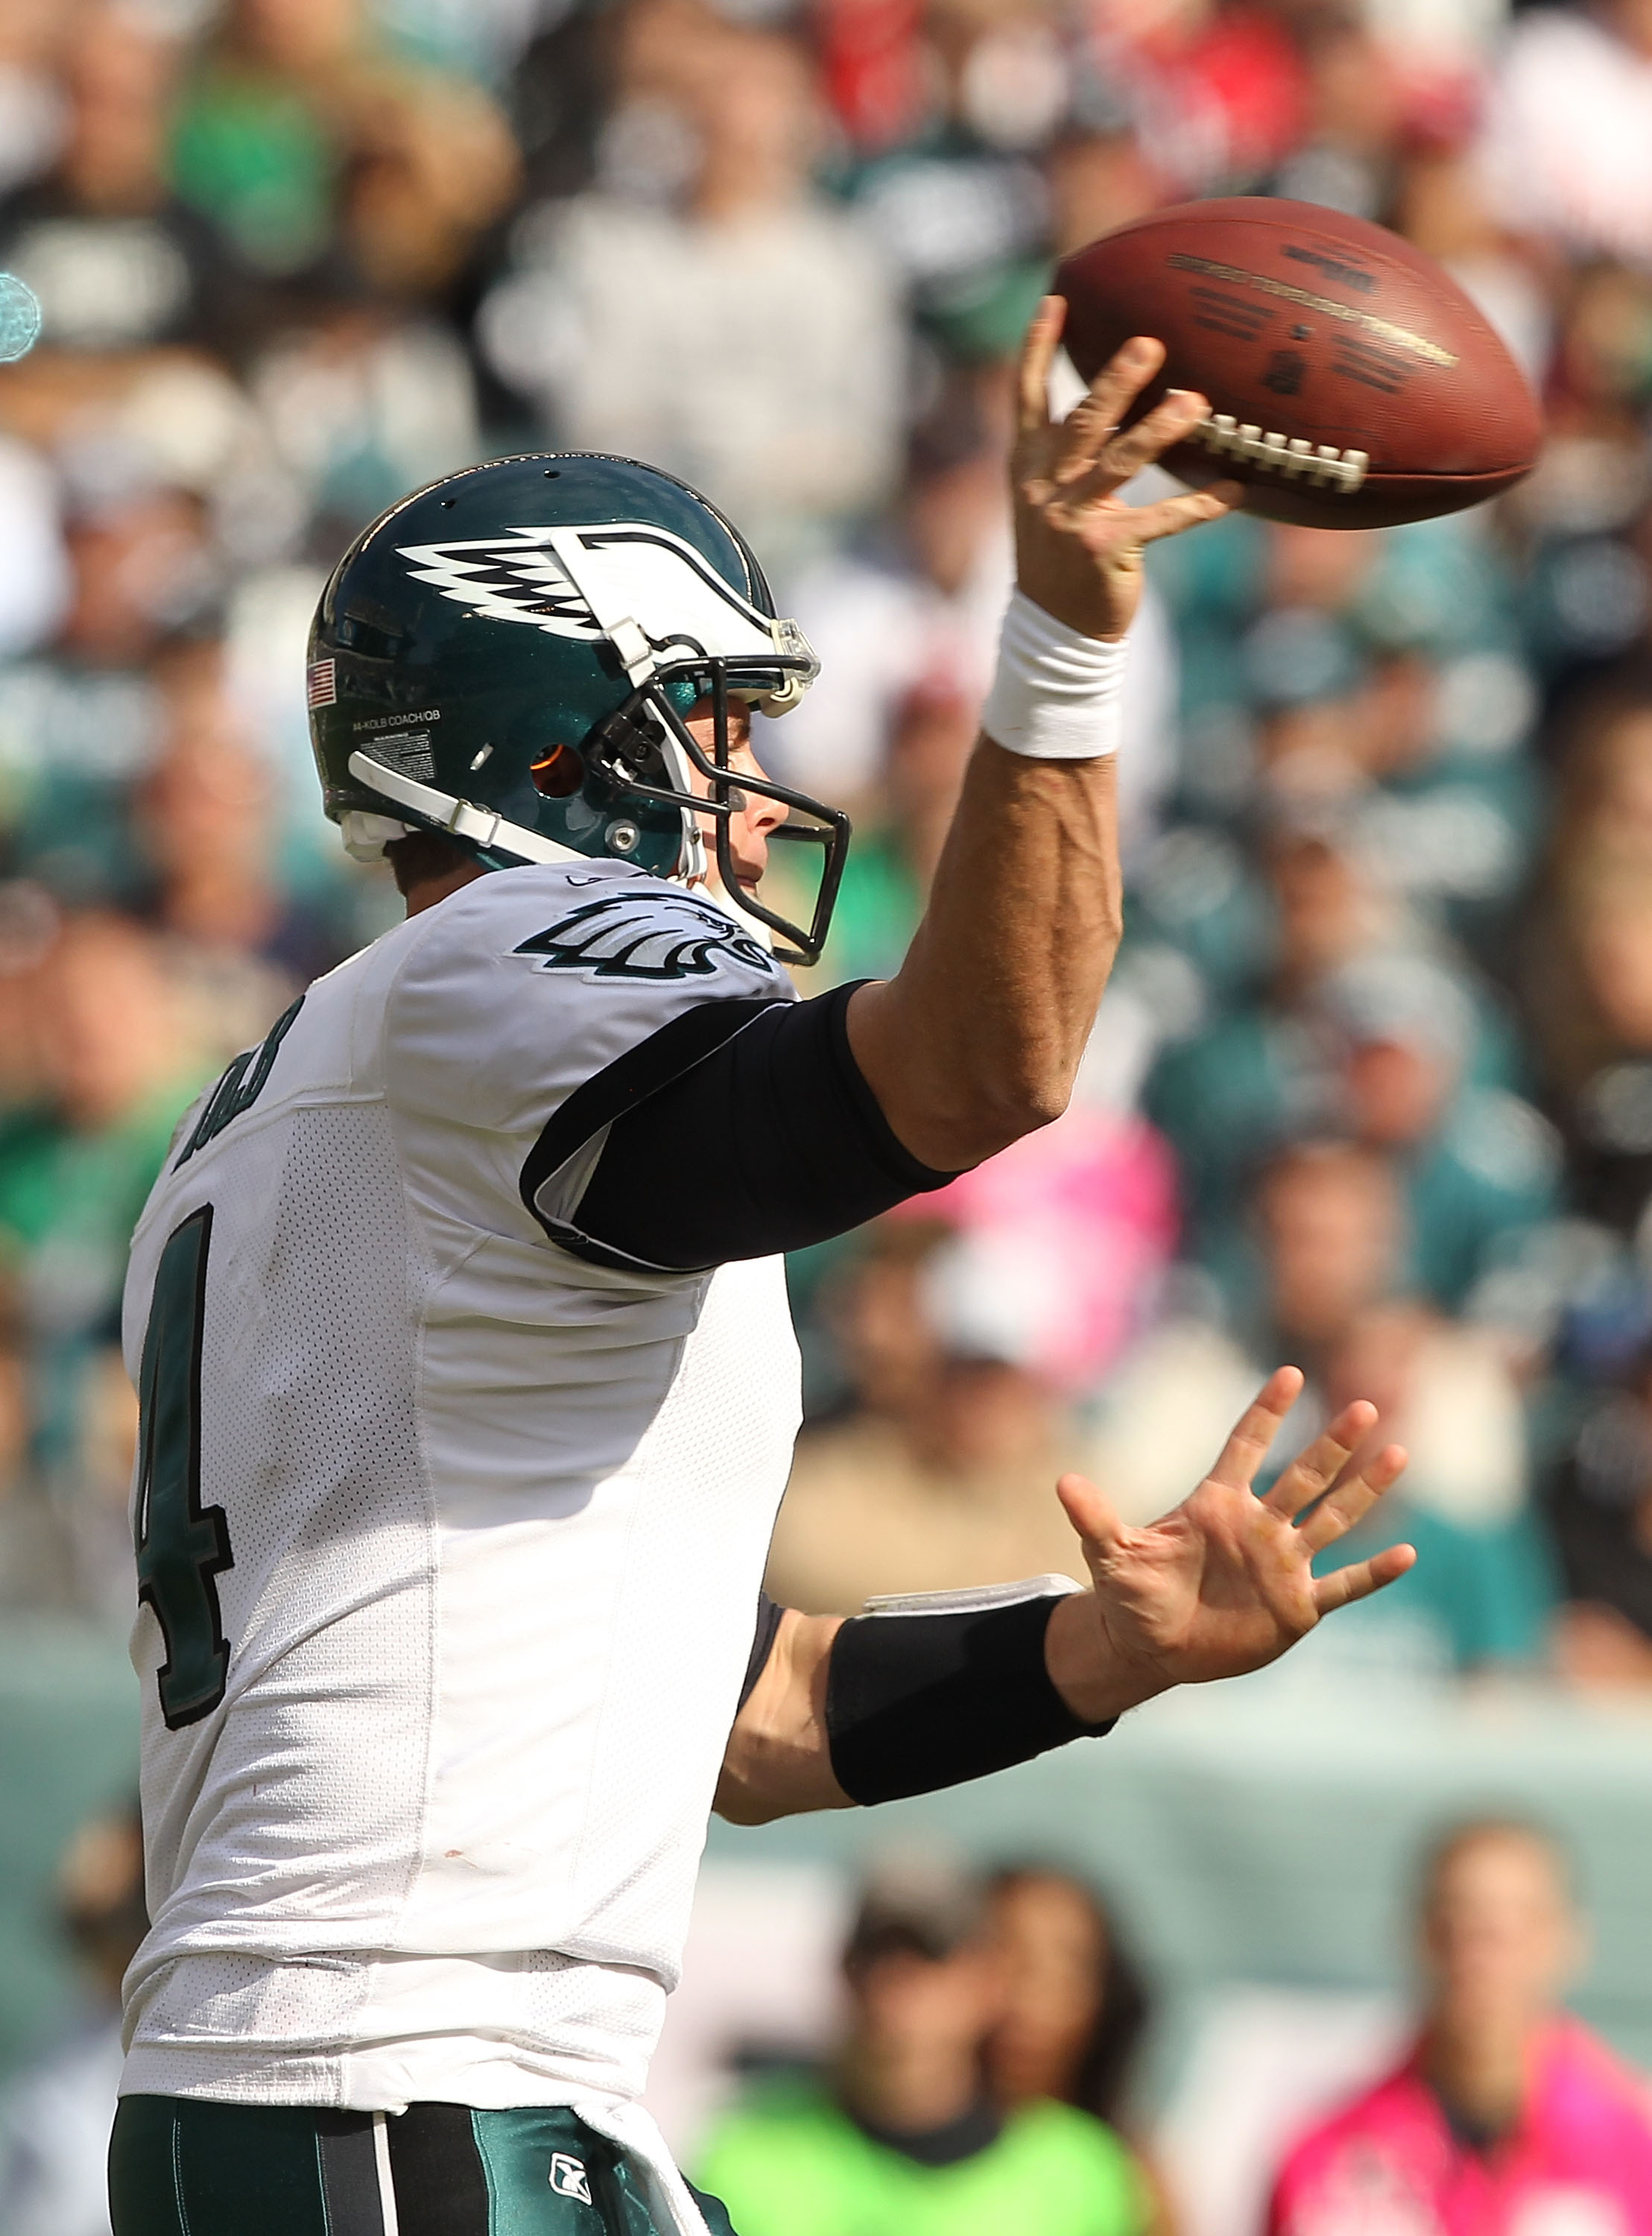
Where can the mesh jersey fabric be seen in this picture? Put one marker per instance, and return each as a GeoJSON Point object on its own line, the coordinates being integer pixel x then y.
{"type": "Point", "coordinates": [487, 1507]}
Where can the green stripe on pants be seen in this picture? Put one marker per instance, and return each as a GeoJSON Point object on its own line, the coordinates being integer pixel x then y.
{"type": "Point", "coordinates": [595, 2190]}
{"type": "Point", "coordinates": [182, 2167]}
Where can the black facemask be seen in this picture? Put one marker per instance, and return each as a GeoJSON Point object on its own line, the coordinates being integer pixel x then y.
{"type": "Point", "coordinates": [625, 749]}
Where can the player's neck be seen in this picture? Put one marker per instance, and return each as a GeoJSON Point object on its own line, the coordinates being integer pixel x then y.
{"type": "Point", "coordinates": [427, 891]}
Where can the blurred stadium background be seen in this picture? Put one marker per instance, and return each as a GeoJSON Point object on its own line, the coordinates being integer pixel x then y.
{"type": "Point", "coordinates": [1371, 1089]}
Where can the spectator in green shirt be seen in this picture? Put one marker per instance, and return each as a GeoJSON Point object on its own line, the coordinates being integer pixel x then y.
{"type": "Point", "coordinates": [901, 2138]}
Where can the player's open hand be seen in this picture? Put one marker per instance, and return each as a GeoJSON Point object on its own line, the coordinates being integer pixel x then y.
{"type": "Point", "coordinates": [1225, 1583]}
{"type": "Point", "coordinates": [1078, 545]}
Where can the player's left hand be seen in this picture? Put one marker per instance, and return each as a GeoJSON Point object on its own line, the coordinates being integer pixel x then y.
{"type": "Point", "coordinates": [1078, 544]}
{"type": "Point", "coordinates": [1224, 1584]}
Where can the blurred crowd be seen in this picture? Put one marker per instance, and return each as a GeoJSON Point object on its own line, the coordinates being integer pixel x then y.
{"type": "Point", "coordinates": [977, 2070]}
{"type": "Point", "coordinates": [989, 2032]}
{"type": "Point", "coordinates": [984, 2077]}
{"type": "Point", "coordinates": [1373, 1087]}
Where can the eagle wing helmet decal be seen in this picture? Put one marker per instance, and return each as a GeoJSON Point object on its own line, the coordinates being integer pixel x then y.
{"type": "Point", "coordinates": [519, 580]}
{"type": "Point", "coordinates": [649, 593]}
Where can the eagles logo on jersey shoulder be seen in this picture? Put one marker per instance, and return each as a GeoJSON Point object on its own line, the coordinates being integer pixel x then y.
{"type": "Point", "coordinates": [645, 936]}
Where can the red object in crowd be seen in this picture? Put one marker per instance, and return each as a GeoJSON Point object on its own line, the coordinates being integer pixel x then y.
{"type": "Point", "coordinates": [1225, 103]}
{"type": "Point", "coordinates": [873, 67]}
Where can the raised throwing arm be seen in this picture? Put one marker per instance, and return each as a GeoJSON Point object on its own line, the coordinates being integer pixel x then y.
{"type": "Point", "coordinates": [976, 1039]}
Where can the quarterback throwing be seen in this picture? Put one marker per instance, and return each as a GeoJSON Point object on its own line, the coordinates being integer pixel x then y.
{"type": "Point", "coordinates": [468, 1385]}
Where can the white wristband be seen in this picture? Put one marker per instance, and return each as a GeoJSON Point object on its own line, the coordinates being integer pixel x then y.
{"type": "Point", "coordinates": [1056, 695]}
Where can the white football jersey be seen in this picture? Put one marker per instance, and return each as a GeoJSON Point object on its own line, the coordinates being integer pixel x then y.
{"type": "Point", "coordinates": [449, 1540]}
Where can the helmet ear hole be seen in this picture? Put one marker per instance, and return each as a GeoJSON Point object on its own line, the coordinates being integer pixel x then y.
{"type": "Point", "coordinates": [558, 774]}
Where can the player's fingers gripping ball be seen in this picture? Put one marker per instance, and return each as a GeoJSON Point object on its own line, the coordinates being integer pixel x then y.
{"type": "Point", "coordinates": [1079, 543]}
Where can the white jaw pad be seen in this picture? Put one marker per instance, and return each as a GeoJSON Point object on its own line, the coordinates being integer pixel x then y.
{"type": "Point", "coordinates": [366, 837]}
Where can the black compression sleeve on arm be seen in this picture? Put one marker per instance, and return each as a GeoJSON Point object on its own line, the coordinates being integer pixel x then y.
{"type": "Point", "coordinates": [918, 1700]}
{"type": "Point", "coordinates": [771, 1140]}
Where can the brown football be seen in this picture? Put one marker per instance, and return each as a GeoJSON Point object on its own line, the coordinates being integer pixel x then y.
{"type": "Point", "coordinates": [1351, 382]}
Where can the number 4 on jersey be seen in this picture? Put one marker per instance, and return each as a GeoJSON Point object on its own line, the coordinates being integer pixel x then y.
{"type": "Point", "coordinates": [181, 1546]}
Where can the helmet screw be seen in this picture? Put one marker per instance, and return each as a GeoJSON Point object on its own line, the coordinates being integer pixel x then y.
{"type": "Point", "coordinates": [622, 837]}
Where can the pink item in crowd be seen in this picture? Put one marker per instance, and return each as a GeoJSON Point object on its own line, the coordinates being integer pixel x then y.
{"type": "Point", "coordinates": [1069, 1229]}
{"type": "Point", "coordinates": [1579, 2163]}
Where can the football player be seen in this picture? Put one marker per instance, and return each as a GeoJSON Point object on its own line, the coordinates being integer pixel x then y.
{"type": "Point", "coordinates": [468, 1384]}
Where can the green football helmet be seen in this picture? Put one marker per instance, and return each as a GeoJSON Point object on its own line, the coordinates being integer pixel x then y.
{"type": "Point", "coordinates": [508, 657]}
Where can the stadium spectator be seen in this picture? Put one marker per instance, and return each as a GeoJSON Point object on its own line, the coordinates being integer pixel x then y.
{"type": "Point", "coordinates": [1567, 150]}
{"type": "Point", "coordinates": [1588, 958]}
{"type": "Point", "coordinates": [955, 1491]}
{"type": "Point", "coordinates": [356, 400]}
{"type": "Point", "coordinates": [617, 321]}
{"type": "Point", "coordinates": [1073, 2006]}
{"type": "Point", "coordinates": [909, 602]}
{"type": "Point", "coordinates": [873, 1346]}
{"type": "Point", "coordinates": [205, 818]}
{"type": "Point", "coordinates": [1506, 2109]}
{"type": "Point", "coordinates": [1261, 1067]}
{"type": "Point", "coordinates": [1601, 1515]}
{"type": "Point", "coordinates": [1480, 1167]}
{"type": "Point", "coordinates": [329, 159]}
{"type": "Point", "coordinates": [903, 2137]}
{"type": "Point", "coordinates": [1320, 1279]}
{"type": "Point", "coordinates": [1325, 1240]}
{"type": "Point", "coordinates": [116, 259]}
{"type": "Point", "coordinates": [1403, 1053]}
{"type": "Point", "coordinates": [1484, 1588]}
{"type": "Point", "coordinates": [81, 717]}
{"type": "Point", "coordinates": [256, 138]}
{"type": "Point", "coordinates": [932, 731]}
{"type": "Point", "coordinates": [55, 2116]}
{"type": "Point", "coordinates": [117, 1066]}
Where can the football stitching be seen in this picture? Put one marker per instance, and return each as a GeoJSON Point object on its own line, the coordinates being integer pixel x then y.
{"type": "Point", "coordinates": [1322, 465]}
